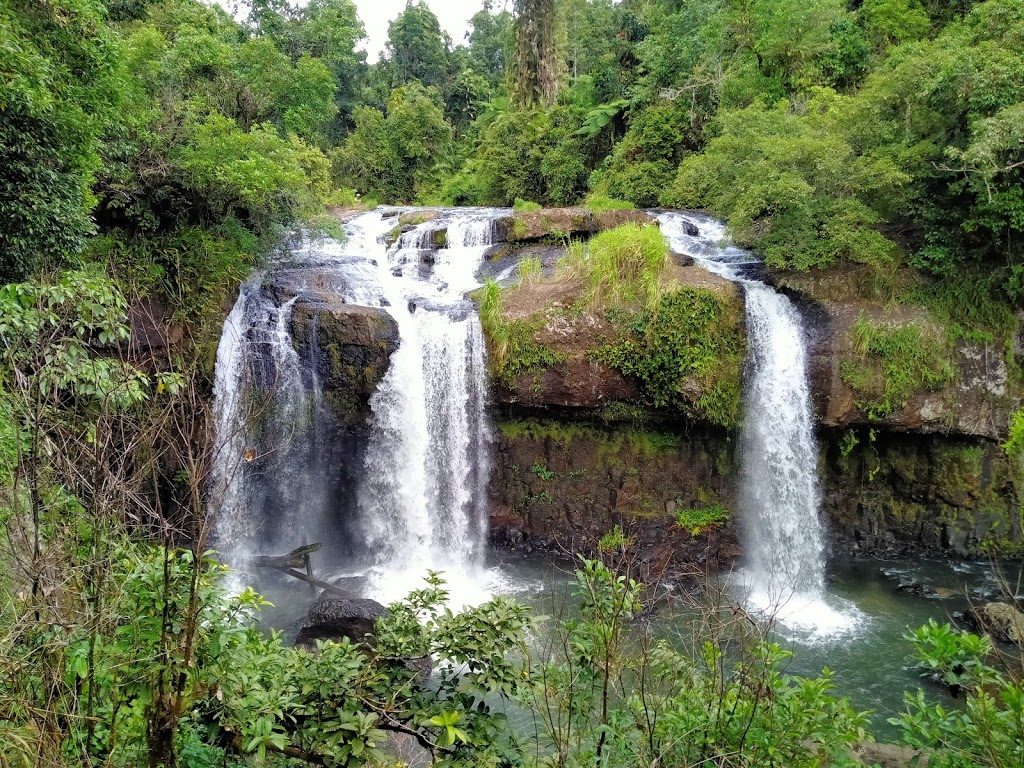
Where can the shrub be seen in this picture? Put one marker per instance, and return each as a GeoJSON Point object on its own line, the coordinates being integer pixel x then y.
{"type": "Point", "coordinates": [791, 186]}
{"type": "Point", "coordinates": [687, 352]}
{"type": "Point", "coordinates": [696, 521]}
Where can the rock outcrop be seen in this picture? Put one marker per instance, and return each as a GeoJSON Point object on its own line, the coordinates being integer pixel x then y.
{"type": "Point", "coordinates": [1004, 622]}
{"type": "Point", "coordinates": [334, 618]}
{"type": "Point", "coordinates": [351, 347]}
{"type": "Point", "coordinates": [571, 332]}
{"type": "Point", "coordinates": [530, 226]}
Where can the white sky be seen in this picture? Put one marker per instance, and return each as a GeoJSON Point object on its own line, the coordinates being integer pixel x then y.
{"type": "Point", "coordinates": [453, 14]}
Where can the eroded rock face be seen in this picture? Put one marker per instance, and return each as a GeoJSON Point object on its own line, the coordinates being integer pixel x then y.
{"type": "Point", "coordinates": [978, 401]}
{"type": "Point", "coordinates": [561, 487]}
{"type": "Point", "coordinates": [905, 494]}
{"type": "Point", "coordinates": [351, 347]}
{"type": "Point", "coordinates": [559, 484]}
{"type": "Point", "coordinates": [334, 618]}
{"type": "Point", "coordinates": [1004, 622]}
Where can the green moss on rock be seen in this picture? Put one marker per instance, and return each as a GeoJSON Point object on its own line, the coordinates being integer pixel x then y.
{"type": "Point", "coordinates": [892, 364]}
{"type": "Point", "coordinates": [687, 353]}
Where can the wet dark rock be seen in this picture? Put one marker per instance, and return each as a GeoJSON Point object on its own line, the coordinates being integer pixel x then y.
{"type": "Point", "coordinates": [560, 487]}
{"type": "Point", "coordinates": [681, 259]}
{"type": "Point", "coordinates": [691, 229]}
{"type": "Point", "coordinates": [351, 347]}
{"type": "Point", "coordinates": [1004, 622]}
{"type": "Point", "coordinates": [916, 589]}
{"type": "Point", "coordinates": [334, 618]}
{"type": "Point", "coordinates": [313, 284]}
{"type": "Point", "coordinates": [152, 329]}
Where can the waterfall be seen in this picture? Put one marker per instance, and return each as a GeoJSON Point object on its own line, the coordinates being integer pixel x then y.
{"type": "Point", "coordinates": [779, 479]}
{"type": "Point", "coordinates": [779, 496]}
{"type": "Point", "coordinates": [420, 497]}
{"type": "Point", "coordinates": [423, 498]}
{"type": "Point", "coordinates": [267, 441]}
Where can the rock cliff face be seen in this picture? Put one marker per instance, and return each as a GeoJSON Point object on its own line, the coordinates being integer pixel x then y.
{"type": "Point", "coordinates": [911, 417]}
{"type": "Point", "coordinates": [560, 485]}
{"type": "Point", "coordinates": [976, 397]}
{"type": "Point", "coordinates": [353, 347]}
{"type": "Point", "coordinates": [350, 346]}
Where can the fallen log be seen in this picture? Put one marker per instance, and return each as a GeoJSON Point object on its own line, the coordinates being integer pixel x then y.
{"type": "Point", "coordinates": [296, 559]}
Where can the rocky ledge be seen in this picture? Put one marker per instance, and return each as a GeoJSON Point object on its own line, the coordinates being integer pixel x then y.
{"type": "Point", "coordinates": [349, 345]}
{"type": "Point", "coordinates": [911, 413]}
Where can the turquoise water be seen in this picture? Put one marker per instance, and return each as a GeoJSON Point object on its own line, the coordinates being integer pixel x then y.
{"type": "Point", "coordinates": [871, 660]}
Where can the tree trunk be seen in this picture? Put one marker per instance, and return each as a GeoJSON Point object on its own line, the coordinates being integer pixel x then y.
{"type": "Point", "coordinates": [160, 740]}
{"type": "Point", "coordinates": [535, 79]}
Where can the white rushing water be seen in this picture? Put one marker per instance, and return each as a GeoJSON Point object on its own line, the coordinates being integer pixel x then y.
{"type": "Point", "coordinates": [421, 498]}
{"type": "Point", "coordinates": [779, 496]}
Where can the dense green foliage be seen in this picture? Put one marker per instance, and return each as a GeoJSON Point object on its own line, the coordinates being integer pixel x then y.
{"type": "Point", "coordinates": [890, 365]}
{"type": "Point", "coordinates": [687, 353]}
{"type": "Point", "coordinates": [152, 150]}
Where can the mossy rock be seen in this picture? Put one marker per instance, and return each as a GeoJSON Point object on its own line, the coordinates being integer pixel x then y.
{"type": "Point", "coordinates": [415, 218]}
{"type": "Point", "coordinates": [352, 347]}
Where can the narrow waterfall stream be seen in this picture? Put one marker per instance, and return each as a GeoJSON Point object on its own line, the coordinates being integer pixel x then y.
{"type": "Point", "coordinates": [784, 537]}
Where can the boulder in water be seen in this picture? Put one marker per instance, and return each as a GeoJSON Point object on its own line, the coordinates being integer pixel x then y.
{"type": "Point", "coordinates": [1004, 622]}
{"type": "Point", "coordinates": [334, 618]}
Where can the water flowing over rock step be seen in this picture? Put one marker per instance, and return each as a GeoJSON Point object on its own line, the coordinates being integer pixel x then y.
{"type": "Point", "coordinates": [383, 351]}
{"type": "Point", "coordinates": [516, 227]}
{"type": "Point", "coordinates": [351, 385]}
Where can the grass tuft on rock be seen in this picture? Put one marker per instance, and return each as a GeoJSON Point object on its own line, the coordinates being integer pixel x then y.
{"type": "Point", "coordinates": [510, 343]}
{"type": "Point", "coordinates": [602, 203]}
{"type": "Point", "coordinates": [620, 266]}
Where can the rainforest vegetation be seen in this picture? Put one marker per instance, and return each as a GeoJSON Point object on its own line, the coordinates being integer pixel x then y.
{"type": "Point", "coordinates": [153, 151]}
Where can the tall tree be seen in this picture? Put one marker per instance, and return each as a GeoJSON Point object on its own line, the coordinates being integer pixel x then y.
{"type": "Point", "coordinates": [535, 77]}
{"type": "Point", "coordinates": [490, 37]}
{"type": "Point", "coordinates": [417, 48]}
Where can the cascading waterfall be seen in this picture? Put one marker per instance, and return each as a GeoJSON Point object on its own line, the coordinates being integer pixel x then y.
{"type": "Point", "coordinates": [420, 502]}
{"type": "Point", "coordinates": [421, 497]}
{"type": "Point", "coordinates": [260, 380]}
{"type": "Point", "coordinates": [779, 493]}
{"type": "Point", "coordinates": [427, 461]}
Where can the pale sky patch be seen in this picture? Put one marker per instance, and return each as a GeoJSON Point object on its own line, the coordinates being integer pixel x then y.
{"type": "Point", "coordinates": [454, 16]}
